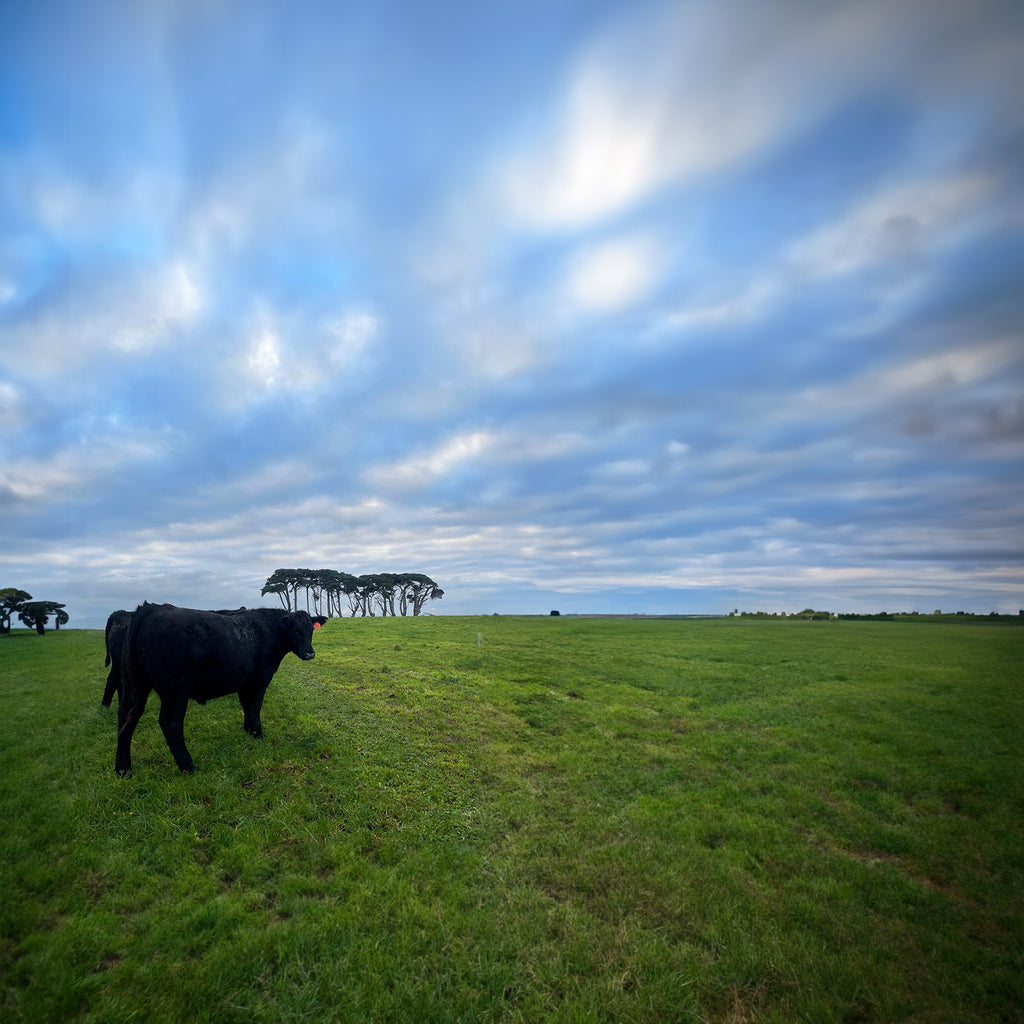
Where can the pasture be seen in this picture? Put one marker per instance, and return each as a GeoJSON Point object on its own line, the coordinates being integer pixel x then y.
{"type": "Point", "coordinates": [504, 819]}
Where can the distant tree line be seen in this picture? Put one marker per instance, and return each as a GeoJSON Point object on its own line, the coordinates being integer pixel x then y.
{"type": "Point", "coordinates": [811, 614]}
{"type": "Point", "coordinates": [329, 592]}
{"type": "Point", "coordinates": [35, 614]}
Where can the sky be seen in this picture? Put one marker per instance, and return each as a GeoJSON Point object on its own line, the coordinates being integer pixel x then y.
{"type": "Point", "coordinates": [634, 307]}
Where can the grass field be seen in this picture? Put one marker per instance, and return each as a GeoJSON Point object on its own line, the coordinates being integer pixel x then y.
{"type": "Point", "coordinates": [504, 819]}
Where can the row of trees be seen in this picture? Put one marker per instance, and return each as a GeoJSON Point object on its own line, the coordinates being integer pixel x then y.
{"type": "Point", "coordinates": [35, 614]}
{"type": "Point", "coordinates": [327, 591]}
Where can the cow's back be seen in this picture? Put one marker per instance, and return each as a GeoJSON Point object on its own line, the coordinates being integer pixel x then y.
{"type": "Point", "coordinates": [184, 648]}
{"type": "Point", "coordinates": [206, 654]}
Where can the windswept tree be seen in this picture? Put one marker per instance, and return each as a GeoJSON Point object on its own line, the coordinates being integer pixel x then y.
{"type": "Point", "coordinates": [329, 589]}
{"type": "Point", "coordinates": [414, 590]}
{"type": "Point", "coordinates": [346, 587]}
{"type": "Point", "coordinates": [326, 590]}
{"type": "Point", "coordinates": [387, 584]}
{"type": "Point", "coordinates": [36, 614]}
{"type": "Point", "coordinates": [279, 583]}
{"type": "Point", "coordinates": [286, 584]}
{"type": "Point", "coordinates": [11, 600]}
{"type": "Point", "coordinates": [366, 587]}
{"type": "Point", "coordinates": [424, 589]}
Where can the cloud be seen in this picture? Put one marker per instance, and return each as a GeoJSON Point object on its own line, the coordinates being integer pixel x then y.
{"type": "Point", "coordinates": [425, 468]}
{"type": "Point", "coordinates": [613, 274]}
{"type": "Point", "coordinates": [292, 353]}
{"type": "Point", "coordinates": [89, 467]}
{"type": "Point", "coordinates": [123, 310]}
{"type": "Point", "coordinates": [674, 94]}
{"type": "Point", "coordinates": [171, 302]}
{"type": "Point", "coordinates": [679, 92]}
{"type": "Point", "coordinates": [11, 411]}
{"type": "Point", "coordinates": [263, 359]}
{"type": "Point", "coordinates": [941, 373]}
{"type": "Point", "coordinates": [897, 228]}
{"type": "Point", "coordinates": [284, 183]}
{"type": "Point", "coordinates": [491, 450]}
{"type": "Point", "coordinates": [890, 240]}
{"type": "Point", "coordinates": [349, 335]}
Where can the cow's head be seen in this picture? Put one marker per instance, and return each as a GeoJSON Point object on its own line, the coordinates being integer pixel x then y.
{"type": "Point", "coordinates": [301, 636]}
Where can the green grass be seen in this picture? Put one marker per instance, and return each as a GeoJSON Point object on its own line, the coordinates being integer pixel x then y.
{"type": "Point", "coordinates": [502, 819]}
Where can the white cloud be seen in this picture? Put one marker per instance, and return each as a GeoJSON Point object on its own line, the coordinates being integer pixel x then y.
{"type": "Point", "coordinates": [893, 233]}
{"type": "Point", "coordinates": [536, 442]}
{"type": "Point", "coordinates": [679, 92]}
{"type": "Point", "coordinates": [264, 358]}
{"type": "Point", "coordinates": [673, 93]}
{"type": "Point", "coordinates": [897, 226]}
{"type": "Point", "coordinates": [133, 311]}
{"type": "Point", "coordinates": [73, 472]}
{"type": "Point", "coordinates": [171, 301]}
{"type": "Point", "coordinates": [742, 302]}
{"type": "Point", "coordinates": [283, 353]}
{"type": "Point", "coordinates": [614, 274]}
{"type": "Point", "coordinates": [422, 469]}
{"type": "Point", "coordinates": [349, 336]}
{"type": "Point", "coordinates": [625, 469]}
{"type": "Point", "coordinates": [926, 375]}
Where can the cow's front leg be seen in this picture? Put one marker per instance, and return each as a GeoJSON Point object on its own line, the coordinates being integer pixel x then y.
{"type": "Point", "coordinates": [252, 705]}
{"type": "Point", "coordinates": [172, 721]}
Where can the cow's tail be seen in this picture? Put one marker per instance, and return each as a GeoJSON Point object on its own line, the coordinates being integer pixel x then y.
{"type": "Point", "coordinates": [106, 662]}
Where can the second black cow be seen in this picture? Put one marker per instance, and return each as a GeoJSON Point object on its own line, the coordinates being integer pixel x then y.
{"type": "Point", "coordinates": [186, 654]}
{"type": "Point", "coordinates": [117, 630]}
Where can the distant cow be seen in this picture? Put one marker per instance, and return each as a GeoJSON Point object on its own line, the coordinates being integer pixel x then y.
{"type": "Point", "coordinates": [184, 654]}
{"type": "Point", "coordinates": [117, 630]}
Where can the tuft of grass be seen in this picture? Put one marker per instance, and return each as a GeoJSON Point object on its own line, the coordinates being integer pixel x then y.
{"type": "Point", "coordinates": [504, 819]}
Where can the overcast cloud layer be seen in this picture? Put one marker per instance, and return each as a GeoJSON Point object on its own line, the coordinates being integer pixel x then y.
{"type": "Point", "coordinates": [636, 307]}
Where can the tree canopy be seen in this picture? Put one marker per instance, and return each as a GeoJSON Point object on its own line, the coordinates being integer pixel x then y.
{"type": "Point", "coordinates": [11, 600]}
{"type": "Point", "coordinates": [36, 614]}
{"type": "Point", "coordinates": [329, 592]}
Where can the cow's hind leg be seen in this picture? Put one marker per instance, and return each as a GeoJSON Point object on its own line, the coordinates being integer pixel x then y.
{"type": "Point", "coordinates": [127, 720]}
{"type": "Point", "coordinates": [113, 679]}
{"type": "Point", "coordinates": [172, 721]}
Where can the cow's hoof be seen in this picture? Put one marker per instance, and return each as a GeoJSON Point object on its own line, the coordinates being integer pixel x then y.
{"type": "Point", "coordinates": [123, 773]}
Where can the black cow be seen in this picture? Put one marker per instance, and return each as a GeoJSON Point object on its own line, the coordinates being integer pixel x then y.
{"type": "Point", "coordinates": [184, 654]}
{"type": "Point", "coordinates": [117, 630]}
